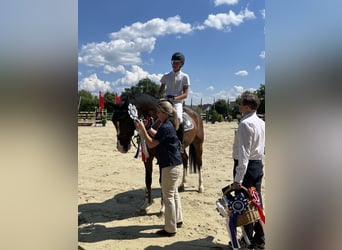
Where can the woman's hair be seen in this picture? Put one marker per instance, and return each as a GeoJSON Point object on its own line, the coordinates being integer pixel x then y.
{"type": "Point", "coordinates": [166, 107]}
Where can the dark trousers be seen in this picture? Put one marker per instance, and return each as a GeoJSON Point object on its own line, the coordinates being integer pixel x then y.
{"type": "Point", "coordinates": [253, 178]}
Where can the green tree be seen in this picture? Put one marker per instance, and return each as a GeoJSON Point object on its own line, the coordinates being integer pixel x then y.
{"type": "Point", "coordinates": [214, 115]}
{"type": "Point", "coordinates": [109, 96]}
{"type": "Point", "coordinates": [87, 101]}
{"type": "Point", "coordinates": [234, 109]}
{"type": "Point", "coordinates": [221, 107]}
{"type": "Point", "coordinates": [261, 94]}
{"type": "Point", "coordinates": [143, 86]}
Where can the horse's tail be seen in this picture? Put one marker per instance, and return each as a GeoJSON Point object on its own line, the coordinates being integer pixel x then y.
{"type": "Point", "coordinates": [192, 159]}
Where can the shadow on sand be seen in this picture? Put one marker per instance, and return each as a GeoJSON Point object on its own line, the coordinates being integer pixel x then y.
{"type": "Point", "coordinates": [198, 244]}
{"type": "Point", "coordinates": [122, 206]}
{"type": "Point", "coordinates": [96, 233]}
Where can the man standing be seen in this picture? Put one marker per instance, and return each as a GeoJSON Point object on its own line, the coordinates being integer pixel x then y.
{"type": "Point", "coordinates": [248, 152]}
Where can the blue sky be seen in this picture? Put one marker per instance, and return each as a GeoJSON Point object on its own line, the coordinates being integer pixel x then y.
{"type": "Point", "coordinates": [123, 41]}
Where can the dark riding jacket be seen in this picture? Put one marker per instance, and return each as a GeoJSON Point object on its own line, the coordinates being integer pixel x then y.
{"type": "Point", "coordinates": [167, 151]}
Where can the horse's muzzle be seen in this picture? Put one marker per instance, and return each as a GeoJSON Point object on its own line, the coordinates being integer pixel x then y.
{"type": "Point", "coordinates": [123, 148]}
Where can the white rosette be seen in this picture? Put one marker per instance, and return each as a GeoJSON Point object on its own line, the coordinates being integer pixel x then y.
{"type": "Point", "coordinates": [133, 113]}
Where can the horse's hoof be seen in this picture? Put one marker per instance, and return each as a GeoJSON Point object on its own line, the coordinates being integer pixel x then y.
{"type": "Point", "coordinates": [144, 208]}
{"type": "Point", "coordinates": [161, 214]}
{"type": "Point", "coordinates": [181, 188]}
{"type": "Point", "coordinates": [142, 211]}
{"type": "Point", "coordinates": [201, 190]}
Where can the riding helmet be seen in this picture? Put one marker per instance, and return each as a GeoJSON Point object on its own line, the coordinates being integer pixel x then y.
{"type": "Point", "coordinates": [178, 57]}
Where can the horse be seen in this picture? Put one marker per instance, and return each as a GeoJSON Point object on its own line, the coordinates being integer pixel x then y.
{"type": "Point", "coordinates": [147, 106]}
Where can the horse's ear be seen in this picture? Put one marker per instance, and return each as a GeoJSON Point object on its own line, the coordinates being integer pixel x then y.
{"type": "Point", "coordinates": [112, 104]}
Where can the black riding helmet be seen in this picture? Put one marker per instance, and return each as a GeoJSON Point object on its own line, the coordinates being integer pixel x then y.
{"type": "Point", "coordinates": [178, 57]}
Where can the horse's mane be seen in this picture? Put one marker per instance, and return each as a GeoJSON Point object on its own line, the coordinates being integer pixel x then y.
{"type": "Point", "coordinates": [141, 99]}
{"type": "Point", "coordinates": [145, 103]}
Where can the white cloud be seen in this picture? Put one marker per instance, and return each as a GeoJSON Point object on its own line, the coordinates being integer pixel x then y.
{"type": "Point", "coordinates": [242, 73]}
{"type": "Point", "coordinates": [152, 28]}
{"type": "Point", "coordinates": [111, 69]}
{"type": "Point", "coordinates": [122, 54]}
{"type": "Point", "coordinates": [263, 13]}
{"type": "Point", "coordinates": [128, 43]}
{"type": "Point", "coordinates": [257, 68]}
{"type": "Point", "coordinates": [94, 85]}
{"type": "Point", "coordinates": [115, 52]}
{"type": "Point", "coordinates": [262, 54]}
{"type": "Point", "coordinates": [224, 21]}
{"type": "Point", "coordinates": [136, 73]}
{"type": "Point", "coordinates": [229, 2]}
{"type": "Point", "coordinates": [236, 91]}
{"type": "Point", "coordinates": [230, 94]}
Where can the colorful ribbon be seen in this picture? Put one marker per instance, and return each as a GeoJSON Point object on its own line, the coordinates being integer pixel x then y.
{"type": "Point", "coordinates": [231, 226]}
{"type": "Point", "coordinates": [256, 201]}
{"type": "Point", "coordinates": [238, 205]}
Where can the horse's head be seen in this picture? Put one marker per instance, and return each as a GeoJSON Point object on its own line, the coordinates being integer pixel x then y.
{"type": "Point", "coordinates": [146, 105]}
{"type": "Point", "coordinates": [124, 125]}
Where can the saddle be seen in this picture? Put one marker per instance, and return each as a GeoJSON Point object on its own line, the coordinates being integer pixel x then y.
{"type": "Point", "coordinates": [187, 122]}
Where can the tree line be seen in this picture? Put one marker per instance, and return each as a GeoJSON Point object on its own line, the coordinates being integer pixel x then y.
{"type": "Point", "coordinates": [218, 111]}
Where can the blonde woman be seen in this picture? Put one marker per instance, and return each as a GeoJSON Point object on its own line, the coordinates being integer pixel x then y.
{"type": "Point", "coordinates": [166, 142]}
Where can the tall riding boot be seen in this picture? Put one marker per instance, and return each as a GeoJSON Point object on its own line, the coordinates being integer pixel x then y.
{"type": "Point", "coordinates": [180, 135]}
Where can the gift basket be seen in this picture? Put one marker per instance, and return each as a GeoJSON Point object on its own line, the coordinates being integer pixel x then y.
{"type": "Point", "coordinates": [240, 202]}
{"type": "Point", "coordinates": [240, 207]}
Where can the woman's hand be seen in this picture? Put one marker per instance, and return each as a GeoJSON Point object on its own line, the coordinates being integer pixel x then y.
{"type": "Point", "coordinates": [139, 124]}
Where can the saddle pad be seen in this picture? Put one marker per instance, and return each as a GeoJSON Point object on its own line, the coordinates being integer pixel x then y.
{"type": "Point", "coordinates": [187, 122]}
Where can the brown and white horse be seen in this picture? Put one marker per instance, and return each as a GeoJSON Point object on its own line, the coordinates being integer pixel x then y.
{"type": "Point", "coordinates": [147, 107]}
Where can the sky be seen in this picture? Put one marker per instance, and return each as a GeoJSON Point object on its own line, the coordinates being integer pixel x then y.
{"type": "Point", "coordinates": [123, 41]}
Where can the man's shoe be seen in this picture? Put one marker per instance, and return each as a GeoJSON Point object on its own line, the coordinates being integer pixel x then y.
{"type": "Point", "coordinates": [259, 246]}
{"type": "Point", "coordinates": [243, 244]}
{"type": "Point", "coordinates": [179, 224]}
{"type": "Point", "coordinates": [165, 233]}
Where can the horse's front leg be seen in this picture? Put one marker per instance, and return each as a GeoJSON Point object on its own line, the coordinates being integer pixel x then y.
{"type": "Point", "coordinates": [162, 204]}
{"type": "Point", "coordinates": [148, 183]}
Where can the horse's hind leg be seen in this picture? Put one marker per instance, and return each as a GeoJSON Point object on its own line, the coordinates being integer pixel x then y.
{"type": "Point", "coordinates": [199, 153]}
{"type": "Point", "coordinates": [200, 178]}
{"type": "Point", "coordinates": [185, 157]}
{"type": "Point", "coordinates": [200, 181]}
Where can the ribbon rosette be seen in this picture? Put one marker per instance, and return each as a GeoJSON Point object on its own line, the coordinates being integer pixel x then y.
{"type": "Point", "coordinates": [132, 111]}
{"type": "Point", "coordinates": [256, 201]}
{"type": "Point", "coordinates": [238, 204]}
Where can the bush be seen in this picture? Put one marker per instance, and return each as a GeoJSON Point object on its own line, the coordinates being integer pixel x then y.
{"type": "Point", "coordinates": [103, 120]}
{"type": "Point", "coordinates": [238, 117]}
{"type": "Point", "coordinates": [214, 116]}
